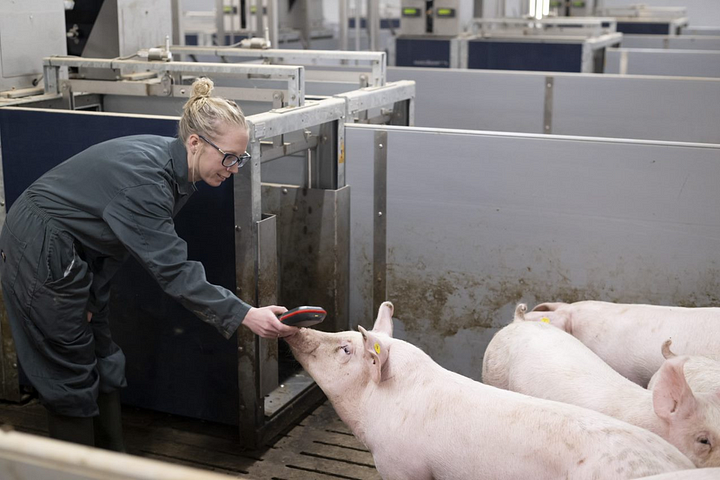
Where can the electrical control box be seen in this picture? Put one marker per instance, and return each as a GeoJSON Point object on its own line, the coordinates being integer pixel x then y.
{"type": "Point", "coordinates": [413, 17]}
{"type": "Point", "coordinates": [451, 17]}
{"type": "Point", "coordinates": [445, 18]}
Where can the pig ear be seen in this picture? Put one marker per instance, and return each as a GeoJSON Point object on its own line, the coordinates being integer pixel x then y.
{"type": "Point", "coordinates": [384, 323]}
{"type": "Point", "coordinates": [548, 307]}
{"type": "Point", "coordinates": [375, 353]}
{"type": "Point", "coordinates": [672, 396]}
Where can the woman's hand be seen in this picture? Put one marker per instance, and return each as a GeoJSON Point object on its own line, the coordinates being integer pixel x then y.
{"type": "Point", "coordinates": [263, 321]}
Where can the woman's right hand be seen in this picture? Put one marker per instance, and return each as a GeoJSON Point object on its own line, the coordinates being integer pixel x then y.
{"type": "Point", "coordinates": [264, 322]}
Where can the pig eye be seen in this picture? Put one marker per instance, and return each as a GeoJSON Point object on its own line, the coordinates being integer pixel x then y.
{"type": "Point", "coordinates": [703, 440]}
{"type": "Point", "coordinates": [346, 349]}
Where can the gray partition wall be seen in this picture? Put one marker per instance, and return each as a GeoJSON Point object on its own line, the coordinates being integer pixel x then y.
{"type": "Point", "coordinates": [476, 222]}
{"type": "Point", "coordinates": [651, 61]}
{"type": "Point", "coordinates": [712, 31]}
{"type": "Point", "coordinates": [643, 107]}
{"type": "Point", "coordinates": [674, 42]}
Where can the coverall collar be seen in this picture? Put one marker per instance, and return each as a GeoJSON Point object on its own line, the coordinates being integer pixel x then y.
{"type": "Point", "coordinates": [180, 167]}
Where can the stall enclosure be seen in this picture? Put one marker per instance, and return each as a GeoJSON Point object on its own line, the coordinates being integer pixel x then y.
{"type": "Point", "coordinates": [284, 242]}
{"type": "Point", "coordinates": [457, 226]}
{"type": "Point", "coordinates": [176, 363]}
{"type": "Point", "coordinates": [642, 107]}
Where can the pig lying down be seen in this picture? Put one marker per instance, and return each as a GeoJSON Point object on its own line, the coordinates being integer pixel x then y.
{"type": "Point", "coordinates": [702, 373]}
{"type": "Point", "coordinates": [628, 337]}
{"type": "Point", "coordinates": [422, 422]}
{"type": "Point", "coordinates": [540, 360]}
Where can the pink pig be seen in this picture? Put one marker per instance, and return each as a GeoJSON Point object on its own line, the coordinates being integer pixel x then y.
{"type": "Point", "coordinates": [422, 422]}
{"type": "Point", "coordinates": [540, 360]}
{"type": "Point", "coordinates": [628, 336]}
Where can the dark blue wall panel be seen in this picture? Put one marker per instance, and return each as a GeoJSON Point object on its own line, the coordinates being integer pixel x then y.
{"type": "Point", "coordinates": [644, 28]}
{"type": "Point", "coordinates": [175, 362]}
{"type": "Point", "coordinates": [420, 52]}
{"type": "Point", "coordinates": [547, 57]}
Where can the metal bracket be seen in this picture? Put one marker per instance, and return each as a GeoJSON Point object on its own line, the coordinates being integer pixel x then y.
{"type": "Point", "coordinates": [547, 115]}
{"type": "Point", "coordinates": [68, 97]}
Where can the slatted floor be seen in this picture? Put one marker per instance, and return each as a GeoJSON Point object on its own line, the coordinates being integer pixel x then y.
{"type": "Point", "coordinates": [320, 447]}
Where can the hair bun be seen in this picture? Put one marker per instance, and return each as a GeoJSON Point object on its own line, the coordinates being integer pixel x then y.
{"type": "Point", "coordinates": [202, 87]}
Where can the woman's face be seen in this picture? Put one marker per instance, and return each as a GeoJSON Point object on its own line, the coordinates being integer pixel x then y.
{"type": "Point", "coordinates": [208, 165]}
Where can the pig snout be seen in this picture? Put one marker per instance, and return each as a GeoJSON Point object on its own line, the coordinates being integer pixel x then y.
{"type": "Point", "coordinates": [304, 341]}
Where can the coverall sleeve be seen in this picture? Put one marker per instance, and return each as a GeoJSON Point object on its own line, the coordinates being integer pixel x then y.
{"type": "Point", "coordinates": [141, 218]}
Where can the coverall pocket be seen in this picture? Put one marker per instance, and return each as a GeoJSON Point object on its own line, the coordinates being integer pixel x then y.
{"type": "Point", "coordinates": [62, 261]}
{"type": "Point", "coordinates": [59, 304]}
{"type": "Point", "coordinates": [12, 250]}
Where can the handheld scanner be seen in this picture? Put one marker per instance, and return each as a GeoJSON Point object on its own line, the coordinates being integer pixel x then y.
{"type": "Point", "coordinates": [303, 316]}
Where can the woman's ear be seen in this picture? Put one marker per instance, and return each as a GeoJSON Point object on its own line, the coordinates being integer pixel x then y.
{"type": "Point", "coordinates": [193, 143]}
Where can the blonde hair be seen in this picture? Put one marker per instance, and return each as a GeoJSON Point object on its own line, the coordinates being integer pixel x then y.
{"type": "Point", "coordinates": [203, 114]}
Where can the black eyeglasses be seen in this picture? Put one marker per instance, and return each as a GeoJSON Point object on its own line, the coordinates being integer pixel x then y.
{"type": "Point", "coordinates": [230, 159]}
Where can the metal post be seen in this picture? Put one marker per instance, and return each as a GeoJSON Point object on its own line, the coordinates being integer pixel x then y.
{"type": "Point", "coordinates": [178, 32]}
{"type": "Point", "coordinates": [343, 24]}
{"type": "Point", "coordinates": [373, 23]}
{"type": "Point", "coordinates": [272, 19]}
{"type": "Point", "coordinates": [220, 22]}
{"type": "Point", "coordinates": [357, 25]}
{"type": "Point", "coordinates": [247, 215]}
{"type": "Point", "coordinates": [380, 221]}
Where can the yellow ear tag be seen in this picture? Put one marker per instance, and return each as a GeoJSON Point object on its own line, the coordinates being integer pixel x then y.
{"type": "Point", "coordinates": [377, 348]}
{"type": "Point", "coordinates": [545, 320]}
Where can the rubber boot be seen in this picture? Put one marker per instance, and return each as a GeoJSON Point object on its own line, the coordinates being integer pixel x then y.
{"type": "Point", "coordinates": [108, 425]}
{"type": "Point", "coordinates": [71, 429]}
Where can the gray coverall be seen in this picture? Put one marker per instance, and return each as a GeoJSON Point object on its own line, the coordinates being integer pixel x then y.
{"type": "Point", "coordinates": [64, 239]}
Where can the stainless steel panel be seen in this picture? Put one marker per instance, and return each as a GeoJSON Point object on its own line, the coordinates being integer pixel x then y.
{"type": "Point", "coordinates": [312, 227]}
{"type": "Point", "coordinates": [268, 295]}
{"type": "Point", "coordinates": [712, 31]}
{"type": "Point", "coordinates": [29, 31]}
{"type": "Point", "coordinates": [682, 42]}
{"type": "Point", "coordinates": [477, 100]}
{"type": "Point", "coordinates": [503, 218]}
{"type": "Point", "coordinates": [676, 63]}
{"type": "Point", "coordinates": [637, 107]}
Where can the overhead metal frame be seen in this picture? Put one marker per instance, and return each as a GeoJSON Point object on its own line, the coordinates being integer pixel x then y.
{"type": "Point", "coordinates": [374, 62]}
{"type": "Point", "coordinates": [570, 26]}
{"type": "Point", "coordinates": [166, 78]}
{"type": "Point", "coordinates": [263, 411]}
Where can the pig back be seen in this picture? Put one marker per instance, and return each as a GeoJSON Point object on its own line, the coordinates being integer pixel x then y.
{"type": "Point", "coordinates": [540, 360]}
{"type": "Point", "coordinates": [696, 474]}
{"type": "Point", "coordinates": [572, 442]}
{"type": "Point", "coordinates": [628, 337]}
{"type": "Point", "coordinates": [458, 428]}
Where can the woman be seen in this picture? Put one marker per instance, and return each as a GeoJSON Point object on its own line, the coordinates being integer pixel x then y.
{"type": "Point", "coordinates": [70, 231]}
